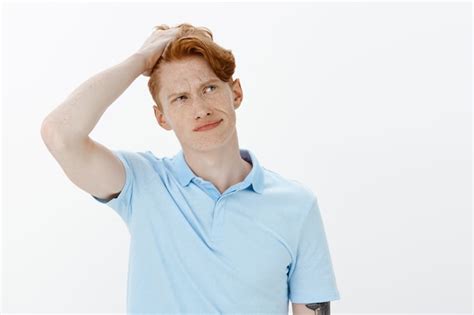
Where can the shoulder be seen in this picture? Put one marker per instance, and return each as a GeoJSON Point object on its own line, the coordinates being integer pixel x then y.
{"type": "Point", "coordinates": [288, 188]}
{"type": "Point", "coordinates": [140, 161]}
{"type": "Point", "coordinates": [138, 156]}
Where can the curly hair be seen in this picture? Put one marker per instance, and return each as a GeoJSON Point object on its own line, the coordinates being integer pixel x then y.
{"type": "Point", "coordinates": [192, 41]}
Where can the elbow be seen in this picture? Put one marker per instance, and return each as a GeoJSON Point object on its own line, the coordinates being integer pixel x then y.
{"type": "Point", "coordinates": [49, 135]}
{"type": "Point", "coordinates": [52, 136]}
{"type": "Point", "coordinates": [57, 139]}
{"type": "Point", "coordinates": [47, 131]}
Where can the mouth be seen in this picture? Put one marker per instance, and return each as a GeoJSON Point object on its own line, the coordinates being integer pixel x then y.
{"type": "Point", "coordinates": [208, 127]}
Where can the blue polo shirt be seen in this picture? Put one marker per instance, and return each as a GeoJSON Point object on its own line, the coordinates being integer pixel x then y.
{"type": "Point", "coordinates": [248, 250]}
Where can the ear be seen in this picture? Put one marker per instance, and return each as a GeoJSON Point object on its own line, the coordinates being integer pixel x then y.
{"type": "Point", "coordinates": [161, 118]}
{"type": "Point", "coordinates": [237, 93]}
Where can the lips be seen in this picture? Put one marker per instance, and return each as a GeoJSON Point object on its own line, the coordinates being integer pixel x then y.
{"type": "Point", "coordinates": [208, 126]}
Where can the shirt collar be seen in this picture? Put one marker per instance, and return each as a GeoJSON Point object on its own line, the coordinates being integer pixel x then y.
{"type": "Point", "coordinates": [184, 173]}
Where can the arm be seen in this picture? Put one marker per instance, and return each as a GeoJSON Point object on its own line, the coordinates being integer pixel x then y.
{"type": "Point", "coordinates": [74, 119]}
{"type": "Point", "coordinates": [65, 131]}
{"type": "Point", "coordinates": [321, 308]}
{"type": "Point", "coordinates": [311, 279]}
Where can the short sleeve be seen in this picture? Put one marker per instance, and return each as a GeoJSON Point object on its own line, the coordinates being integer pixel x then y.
{"type": "Point", "coordinates": [122, 204]}
{"type": "Point", "coordinates": [311, 277]}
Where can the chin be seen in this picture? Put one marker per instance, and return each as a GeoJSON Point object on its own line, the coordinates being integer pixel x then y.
{"type": "Point", "coordinates": [209, 140]}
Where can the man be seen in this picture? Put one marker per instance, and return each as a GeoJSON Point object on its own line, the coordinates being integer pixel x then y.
{"type": "Point", "coordinates": [212, 231]}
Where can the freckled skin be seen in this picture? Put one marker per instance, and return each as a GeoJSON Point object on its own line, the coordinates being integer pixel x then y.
{"type": "Point", "coordinates": [197, 104]}
{"type": "Point", "coordinates": [188, 101]}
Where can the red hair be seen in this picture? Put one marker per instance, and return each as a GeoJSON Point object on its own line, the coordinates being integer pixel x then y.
{"type": "Point", "coordinates": [192, 41]}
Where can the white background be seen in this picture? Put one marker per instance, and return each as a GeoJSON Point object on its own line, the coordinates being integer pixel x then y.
{"type": "Point", "coordinates": [368, 104]}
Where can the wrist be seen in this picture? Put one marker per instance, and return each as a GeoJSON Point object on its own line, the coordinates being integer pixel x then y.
{"type": "Point", "coordinates": [139, 60]}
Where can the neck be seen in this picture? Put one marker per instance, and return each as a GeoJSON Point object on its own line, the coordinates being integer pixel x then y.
{"type": "Point", "coordinates": [222, 166]}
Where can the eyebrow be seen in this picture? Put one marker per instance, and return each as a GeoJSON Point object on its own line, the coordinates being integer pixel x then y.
{"type": "Point", "coordinates": [205, 83]}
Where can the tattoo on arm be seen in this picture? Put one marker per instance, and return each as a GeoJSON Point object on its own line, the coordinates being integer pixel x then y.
{"type": "Point", "coordinates": [322, 308]}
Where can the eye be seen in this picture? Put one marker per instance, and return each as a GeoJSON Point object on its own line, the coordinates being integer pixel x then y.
{"type": "Point", "coordinates": [213, 86]}
{"type": "Point", "coordinates": [179, 97]}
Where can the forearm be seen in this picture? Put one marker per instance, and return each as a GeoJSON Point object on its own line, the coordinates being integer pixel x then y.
{"type": "Point", "coordinates": [78, 114]}
{"type": "Point", "coordinates": [321, 308]}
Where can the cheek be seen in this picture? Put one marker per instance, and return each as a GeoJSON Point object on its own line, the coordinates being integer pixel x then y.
{"type": "Point", "coordinates": [223, 101]}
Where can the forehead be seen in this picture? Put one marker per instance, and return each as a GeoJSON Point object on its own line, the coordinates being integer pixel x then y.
{"type": "Point", "coordinates": [184, 74]}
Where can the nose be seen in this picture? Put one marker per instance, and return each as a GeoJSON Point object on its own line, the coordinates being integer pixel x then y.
{"type": "Point", "coordinates": [201, 108]}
